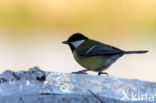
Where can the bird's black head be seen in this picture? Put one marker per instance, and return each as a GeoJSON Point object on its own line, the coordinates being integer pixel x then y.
{"type": "Point", "coordinates": [75, 39]}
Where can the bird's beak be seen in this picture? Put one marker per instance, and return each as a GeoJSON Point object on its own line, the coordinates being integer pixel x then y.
{"type": "Point", "coordinates": [65, 42]}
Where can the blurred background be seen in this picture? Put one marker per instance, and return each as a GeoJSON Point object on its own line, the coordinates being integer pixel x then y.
{"type": "Point", "coordinates": [31, 32]}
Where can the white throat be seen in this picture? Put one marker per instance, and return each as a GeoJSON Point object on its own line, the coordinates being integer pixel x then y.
{"type": "Point", "coordinates": [76, 44]}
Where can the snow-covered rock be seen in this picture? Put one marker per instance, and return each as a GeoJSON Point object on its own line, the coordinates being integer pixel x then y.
{"type": "Point", "coordinates": [37, 86]}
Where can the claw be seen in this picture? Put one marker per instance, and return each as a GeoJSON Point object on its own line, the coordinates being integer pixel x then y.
{"type": "Point", "coordinates": [99, 73]}
{"type": "Point", "coordinates": [80, 72]}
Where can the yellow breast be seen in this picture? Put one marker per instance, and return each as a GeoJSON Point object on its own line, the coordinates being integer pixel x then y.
{"type": "Point", "coordinates": [90, 63]}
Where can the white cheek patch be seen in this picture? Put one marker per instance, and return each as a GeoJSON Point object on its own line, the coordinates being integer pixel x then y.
{"type": "Point", "coordinates": [77, 43]}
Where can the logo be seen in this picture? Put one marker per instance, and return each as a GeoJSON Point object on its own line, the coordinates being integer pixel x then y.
{"type": "Point", "coordinates": [138, 96]}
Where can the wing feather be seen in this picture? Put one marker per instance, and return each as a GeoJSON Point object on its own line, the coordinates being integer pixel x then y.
{"type": "Point", "coordinates": [98, 49]}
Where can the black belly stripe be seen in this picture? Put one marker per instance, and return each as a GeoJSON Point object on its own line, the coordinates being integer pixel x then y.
{"type": "Point", "coordinates": [99, 69]}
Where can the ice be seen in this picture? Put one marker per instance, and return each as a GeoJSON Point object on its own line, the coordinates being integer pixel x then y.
{"type": "Point", "coordinates": [36, 84]}
{"type": "Point", "coordinates": [106, 86]}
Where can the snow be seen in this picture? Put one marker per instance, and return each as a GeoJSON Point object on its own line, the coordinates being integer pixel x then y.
{"type": "Point", "coordinates": [37, 86]}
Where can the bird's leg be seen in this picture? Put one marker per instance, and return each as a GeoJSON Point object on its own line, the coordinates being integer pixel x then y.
{"type": "Point", "coordinates": [99, 73]}
{"type": "Point", "coordinates": [80, 72]}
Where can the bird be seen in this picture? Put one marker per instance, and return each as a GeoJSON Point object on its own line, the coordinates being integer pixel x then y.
{"type": "Point", "coordinates": [94, 55]}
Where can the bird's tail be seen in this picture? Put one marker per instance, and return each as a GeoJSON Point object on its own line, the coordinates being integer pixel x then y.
{"type": "Point", "coordinates": [135, 52]}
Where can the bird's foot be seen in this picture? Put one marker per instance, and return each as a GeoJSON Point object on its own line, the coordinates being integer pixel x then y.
{"type": "Point", "coordinates": [80, 72]}
{"type": "Point", "coordinates": [99, 73]}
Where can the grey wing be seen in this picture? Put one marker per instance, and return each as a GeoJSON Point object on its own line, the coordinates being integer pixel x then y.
{"type": "Point", "coordinates": [96, 50]}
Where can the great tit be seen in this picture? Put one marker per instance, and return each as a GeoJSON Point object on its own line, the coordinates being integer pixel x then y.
{"type": "Point", "coordinates": [94, 55]}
